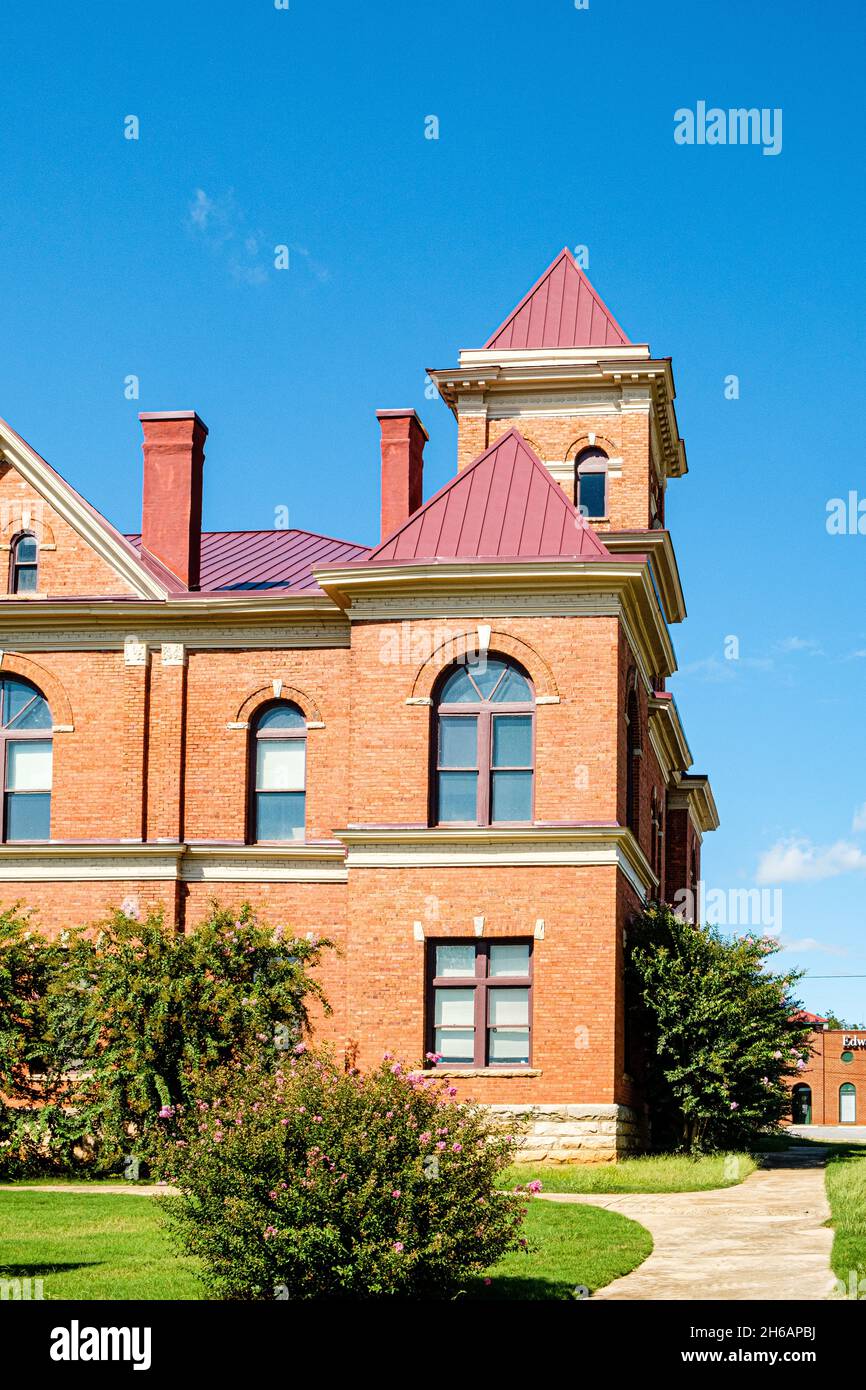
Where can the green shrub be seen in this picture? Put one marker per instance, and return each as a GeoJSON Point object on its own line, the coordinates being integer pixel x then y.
{"type": "Point", "coordinates": [713, 1036]}
{"type": "Point", "coordinates": [325, 1183]}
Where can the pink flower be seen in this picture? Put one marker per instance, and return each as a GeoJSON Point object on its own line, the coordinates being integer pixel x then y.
{"type": "Point", "coordinates": [488, 1281]}
{"type": "Point", "coordinates": [735, 1105]}
{"type": "Point", "coordinates": [441, 1145]}
{"type": "Point", "coordinates": [777, 1055]}
{"type": "Point", "coordinates": [398, 1247]}
{"type": "Point", "coordinates": [300, 1047]}
{"type": "Point", "coordinates": [425, 1137]}
{"type": "Point", "coordinates": [535, 1186]}
{"type": "Point", "coordinates": [317, 1119]}
{"type": "Point", "coordinates": [457, 1148]}
{"type": "Point", "coordinates": [166, 1112]}
{"type": "Point", "coordinates": [396, 1069]}
{"type": "Point", "coordinates": [452, 1091]}
{"type": "Point", "coordinates": [270, 1231]}
{"type": "Point", "coordinates": [396, 1193]}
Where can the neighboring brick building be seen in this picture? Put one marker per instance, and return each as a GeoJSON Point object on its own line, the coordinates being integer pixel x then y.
{"type": "Point", "coordinates": [454, 754]}
{"type": "Point", "coordinates": [831, 1090]}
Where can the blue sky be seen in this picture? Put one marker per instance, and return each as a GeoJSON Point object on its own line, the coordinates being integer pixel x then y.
{"type": "Point", "coordinates": [305, 127]}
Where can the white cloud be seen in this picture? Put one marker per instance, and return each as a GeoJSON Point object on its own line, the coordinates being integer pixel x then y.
{"type": "Point", "coordinates": [799, 644]}
{"type": "Point", "coordinates": [809, 943]}
{"type": "Point", "coordinates": [799, 861]}
{"type": "Point", "coordinates": [715, 671]}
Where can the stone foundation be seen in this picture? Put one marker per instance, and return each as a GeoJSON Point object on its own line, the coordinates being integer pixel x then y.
{"type": "Point", "coordinates": [575, 1133]}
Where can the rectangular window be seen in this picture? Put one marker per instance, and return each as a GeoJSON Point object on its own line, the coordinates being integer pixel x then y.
{"type": "Point", "coordinates": [511, 771]}
{"type": "Point", "coordinates": [280, 797]}
{"type": "Point", "coordinates": [458, 768]}
{"type": "Point", "coordinates": [28, 789]}
{"type": "Point", "coordinates": [480, 1002]}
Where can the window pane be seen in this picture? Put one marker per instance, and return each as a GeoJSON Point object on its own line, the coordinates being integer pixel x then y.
{"type": "Point", "coordinates": [25, 579]}
{"type": "Point", "coordinates": [455, 960]}
{"type": "Point", "coordinates": [508, 1008]}
{"type": "Point", "coordinates": [25, 550]}
{"type": "Point", "coordinates": [280, 815]}
{"type": "Point", "coordinates": [458, 796]}
{"type": "Point", "coordinates": [509, 1045]}
{"type": "Point", "coordinates": [458, 689]}
{"type": "Point", "coordinates": [455, 1045]}
{"type": "Point", "coordinates": [509, 960]}
{"type": "Point", "coordinates": [458, 741]}
{"type": "Point", "coordinates": [847, 1104]}
{"type": "Point", "coordinates": [36, 716]}
{"type": "Point", "coordinates": [513, 687]}
{"type": "Point", "coordinates": [511, 796]}
{"type": "Point", "coordinates": [486, 673]}
{"type": "Point", "coordinates": [591, 494]}
{"type": "Point", "coordinates": [15, 696]}
{"type": "Point", "coordinates": [28, 766]}
{"type": "Point", "coordinates": [512, 740]}
{"type": "Point", "coordinates": [28, 817]}
{"type": "Point", "coordinates": [454, 1008]}
{"type": "Point", "coordinates": [280, 764]}
{"type": "Point", "coordinates": [282, 717]}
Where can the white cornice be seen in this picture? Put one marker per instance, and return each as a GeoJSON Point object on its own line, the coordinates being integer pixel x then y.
{"type": "Point", "coordinates": [169, 863]}
{"type": "Point", "coordinates": [373, 847]}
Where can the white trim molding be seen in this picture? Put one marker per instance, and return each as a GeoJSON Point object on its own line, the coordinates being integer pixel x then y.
{"type": "Point", "coordinates": [84, 862]}
{"type": "Point", "coordinates": [545, 846]}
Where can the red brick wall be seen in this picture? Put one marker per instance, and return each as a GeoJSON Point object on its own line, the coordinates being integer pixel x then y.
{"type": "Point", "coordinates": [825, 1072]}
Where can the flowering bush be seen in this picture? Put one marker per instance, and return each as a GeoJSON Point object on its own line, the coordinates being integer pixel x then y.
{"type": "Point", "coordinates": [320, 1182]}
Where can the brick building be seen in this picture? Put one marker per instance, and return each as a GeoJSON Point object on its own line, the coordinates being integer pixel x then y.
{"type": "Point", "coordinates": [454, 753]}
{"type": "Point", "coordinates": [831, 1090]}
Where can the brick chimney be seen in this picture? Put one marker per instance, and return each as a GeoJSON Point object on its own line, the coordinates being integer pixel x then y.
{"type": "Point", "coordinates": [171, 511]}
{"type": "Point", "coordinates": [403, 440]}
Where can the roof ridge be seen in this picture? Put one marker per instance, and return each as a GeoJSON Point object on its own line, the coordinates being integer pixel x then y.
{"type": "Point", "coordinates": [565, 257]}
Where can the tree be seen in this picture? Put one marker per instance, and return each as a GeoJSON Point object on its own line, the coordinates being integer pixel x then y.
{"type": "Point", "coordinates": [713, 1030]}
{"type": "Point", "coordinates": [137, 1012]}
{"type": "Point", "coordinates": [26, 961]}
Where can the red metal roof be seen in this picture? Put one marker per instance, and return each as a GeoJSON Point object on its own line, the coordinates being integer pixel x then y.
{"type": "Point", "coordinates": [256, 560]}
{"type": "Point", "coordinates": [561, 310]}
{"type": "Point", "coordinates": [504, 505]}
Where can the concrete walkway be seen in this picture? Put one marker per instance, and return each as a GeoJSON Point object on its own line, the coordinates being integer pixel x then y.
{"type": "Point", "coordinates": [829, 1134]}
{"type": "Point", "coordinates": [764, 1238]}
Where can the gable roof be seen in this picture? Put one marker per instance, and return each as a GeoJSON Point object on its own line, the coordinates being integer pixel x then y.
{"type": "Point", "coordinates": [503, 506]}
{"type": "Point", "coordinates": [562, 310]}
{"type": "Point", "coordinates": [239, 561]}
{"type": "Point", "coordinates": [146, 580]}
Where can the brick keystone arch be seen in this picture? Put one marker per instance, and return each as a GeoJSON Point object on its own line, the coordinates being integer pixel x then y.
{"type": "Point", "coordinates": [602, 442]}
{"type": "Point", "coordinates": [501, 643]}
{"type": "Point", "coordinates": [47, 684]}
{"type": "Point", "coordinates": [263, 694]}
{"type": "Point", "coordinates": [12, 525]}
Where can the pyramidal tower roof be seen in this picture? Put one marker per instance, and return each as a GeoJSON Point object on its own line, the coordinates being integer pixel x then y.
{"type": "Point", "coordinates": [503, 506]}
{"type": "Point", "coordinates": [562, 310]}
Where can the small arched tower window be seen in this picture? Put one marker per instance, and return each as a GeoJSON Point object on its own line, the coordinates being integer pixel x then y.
{"type": "Point", "coordinates": [278, 774]}
{"type": "Point", "coordinates": [590, 483]}
{"type": "Point", "coordinates": [485, 744]}
{"type": "Point", "coordinates": [24, 567]}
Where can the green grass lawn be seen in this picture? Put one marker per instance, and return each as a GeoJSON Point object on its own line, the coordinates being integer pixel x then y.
{"type": "Point", "coordinates": [114, 1246]}
{"type": "Point", "coordinates": [652, 1173]}
{"type": "Point", "coordinates": [91, 1246]}
{"type": "Point", "coordinates": [846, 1193]}
{"type": "Point", "coordinates": [570, 1247]}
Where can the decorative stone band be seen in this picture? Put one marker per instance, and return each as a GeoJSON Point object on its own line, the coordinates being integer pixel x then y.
{"type": "Point", "coordinates": [375, 848]}
{"type": "Point", "coordinates": [574, 1133]}
{"type": "Point", "coordinates": [167, 863]}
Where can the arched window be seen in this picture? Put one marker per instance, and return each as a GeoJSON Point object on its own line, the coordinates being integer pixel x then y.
{"type": "Point", "coordinates": [801, 1105]}
{"type": "Point", "coordinates": [24, 566]}
{"type": "Point", "coordinates": [25, 734]}
{"type": "Point", "coordinates": [590, 482]}
{"type": "Point", "coordinates": [278, 773]}
{"type": "Point", "coordinates": [485, 744]}
{"type": "Point", "coordinates": [847, 1104]}
{"type": "Point", "coordinates": [633, 757]}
